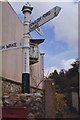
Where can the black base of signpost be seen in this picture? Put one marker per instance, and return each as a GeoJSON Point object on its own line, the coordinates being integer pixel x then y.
{"type": "Point", "coordinates": [25, 83]}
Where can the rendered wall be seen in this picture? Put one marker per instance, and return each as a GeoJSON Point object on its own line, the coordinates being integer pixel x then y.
{"type": "Point", "coordinates": [75, 100]}
{"type": "Point", "coordinates": [0, 37]}
{"type": "Point", "coordinates": [37, 72]}
{"type": "Point", "coordinates": [12, 30]}
{"type": "Point", "coordinates": [79, 41]}
{"type": "Point", "coordinates": [0, 58]}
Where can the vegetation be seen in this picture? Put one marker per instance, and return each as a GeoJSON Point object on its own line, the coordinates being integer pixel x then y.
{"type": "Point", "coordinates": [66, 80]}
{"type": "Point", "coordinates": [65, 83]}
{"type": "Point", "coordinates": [60, 104]}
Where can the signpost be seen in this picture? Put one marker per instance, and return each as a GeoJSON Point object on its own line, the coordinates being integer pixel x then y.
{"type": "Point", "coordinates": [44, 18]}
{"type": "Point", "coordinates": [39, 31]}
{"type": "Point", "coordinates": [25, 43]}
{"type": "Point", "coordinates": [29, 27]}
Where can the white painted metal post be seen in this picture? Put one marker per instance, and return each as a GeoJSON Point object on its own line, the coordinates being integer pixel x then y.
{"type": "Point", "coordinates": [25, 49]}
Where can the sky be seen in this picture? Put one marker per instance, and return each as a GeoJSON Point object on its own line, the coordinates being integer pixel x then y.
{"type": "Point", "coordinates": [60, 34]}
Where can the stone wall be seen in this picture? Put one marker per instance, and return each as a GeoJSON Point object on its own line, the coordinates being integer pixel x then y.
{"type": "Point", "coordinates": [9, 87]}
{"type": "Point", "coordinates": [12, 97]}
{"type": "Point", "coordinates": [34, 104]}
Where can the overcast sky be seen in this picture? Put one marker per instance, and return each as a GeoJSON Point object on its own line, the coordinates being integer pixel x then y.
{"type": "Point", "coordinates": [60, 34]}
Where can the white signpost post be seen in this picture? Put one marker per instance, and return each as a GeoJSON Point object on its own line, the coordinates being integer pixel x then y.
{"type": "Point", "coordinates": [25, 43]}
{"type": "Point", "coordinates": [27, 29]}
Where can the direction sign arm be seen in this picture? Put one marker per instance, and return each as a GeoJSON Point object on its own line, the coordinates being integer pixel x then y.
{"type": "Point", "coordinates": [39, 31]}
{"type": "Point", "coordinates": [44, 18]}
{"type": "Point", "coordinates": [57, 10]}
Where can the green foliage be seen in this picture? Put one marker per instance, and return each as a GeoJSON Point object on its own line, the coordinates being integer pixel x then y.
{"type": "Point", "coordinates": [65, 83]}
{"type": "Point", "coordinates": [66, 80]}
{"type": "Point", "coordinates": [60, 104]}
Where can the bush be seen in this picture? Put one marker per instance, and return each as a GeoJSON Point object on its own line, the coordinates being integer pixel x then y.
{"type": "Point", "coordinates": [60, 104]}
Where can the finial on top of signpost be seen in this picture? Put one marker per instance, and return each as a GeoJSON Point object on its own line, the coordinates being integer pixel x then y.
{"type": "Point", "coordinates": [27, 7]}
{"type": "Point", "coordinates": [28, 4]}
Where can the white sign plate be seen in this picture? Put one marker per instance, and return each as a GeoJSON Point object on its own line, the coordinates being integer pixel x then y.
{"type": "Point", "coordinates": [10, 46]}
{"type": "Point", "coordinates": [44, 18]}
